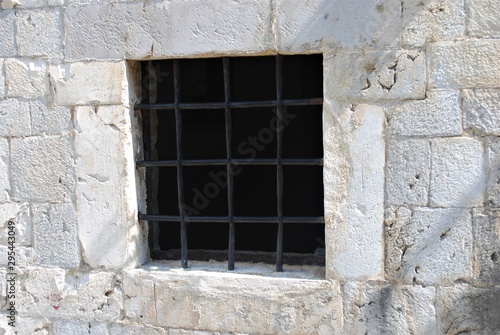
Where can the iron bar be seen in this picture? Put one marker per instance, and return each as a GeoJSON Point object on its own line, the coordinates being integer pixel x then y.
{"type": "Point", "coordinates": [180, 176]}
{"type": "Point", "coordinates": [221, 162]}
{"type": "Point", "coordinates": [229, 166]}
{"type": "Point", "coordinates": [236, 219]}
{"type": "Point", "coordinates": [279, 165]}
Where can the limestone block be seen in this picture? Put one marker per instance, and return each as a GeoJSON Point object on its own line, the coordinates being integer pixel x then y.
{"type": "Point", "coordinates": [438, 114]}
{"type": "Point", "coordinates": [106, 193]}
{"type": "Point", "coordinates": [107, 31]}
{"type": "Point", "coordinates": [432, 20]}
{"type": "Point", "coordinates": [14, 118]}
{"type": "Point", "coordinates": [7, 26]}
{"type": "Point", "coordinates": [493, 184]}
{"type": "Point", "coordinates": [250, 304]}
{"type": "Point", "coordinates": [483, 18]}
{"type": "Point", "coordinates": [39, 3]}
{"type": "Point", "coordinates": [139, 292]}
{"type": "Point", "coordinates": [375, 75]}
{"type": "Point", "coordinates": [466, 309]}
{"type": "Point", "coordinates": [481, 110]}
{"type": "Point", "coordinates": [88, 83]}
{"type": "Point", "coordinates": [42, 168]}
{"type": "Point", "coordinates": [79, 327]}
{"type": "Point", "coordinates": [408, 170]}
{"type": "Point", "coordinates": [4, 172]}
{"type": "Point", "coordinates": [49, 120]}
{"type": "Point", "coordinates": [457, 176]}
{"type": "Point", "coordinates": [429, 246]}
{"type": "Point", "coordinates": [2, 78]}
{"type": "Point", "coordinates": [353, 173]}
{"type": "Point", "coordinates": [181, 27]}
{"type": "Point", "coordinates": [39, 33]}
{"type": "Point", "coordinates": [55, 235]}
{"type": "Point", "coordinates": [19, 213]}
{"type": "Point", "coordinates": [177, 331]}
{"type": "Point", "coordinates": [124, 329]}
{"type": "Point", "coordinates": [487, 246]}
{"type": "Point", "coordinates": [26, 78]}
{"type": "Point", "coordinates": [53, 293]}
{"type": "Point", "coordinates": [32, 326]}
{"type": "Point", "coordinates": [371, 308]}
{"type": "Point", "coordinates": [466, 64]}
{"type": "Point", "coordinates": [323, 24]}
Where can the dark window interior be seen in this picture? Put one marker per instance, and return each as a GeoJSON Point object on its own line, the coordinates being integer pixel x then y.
{"type": "Point", "coordinates": [204, 137]}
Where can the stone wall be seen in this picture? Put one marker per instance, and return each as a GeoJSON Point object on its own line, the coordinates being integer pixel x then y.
{"type": "Point", "coordinates": [411, 175]}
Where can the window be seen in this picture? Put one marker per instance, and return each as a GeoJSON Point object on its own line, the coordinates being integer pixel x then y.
{"type": "Point", "coordinates": [233, 156]}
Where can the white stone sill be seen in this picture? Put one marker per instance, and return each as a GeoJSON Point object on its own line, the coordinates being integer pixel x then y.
{"type": "Point", "coordinates": [242, 270]}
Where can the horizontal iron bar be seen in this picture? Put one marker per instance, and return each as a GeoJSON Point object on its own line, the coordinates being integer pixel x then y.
{"type": "Point", "coordinates": [222, 162]}
{"type": "Point", "coordinates": [241, 104]}
{"type": "Point", "coordinates": [236, 219]}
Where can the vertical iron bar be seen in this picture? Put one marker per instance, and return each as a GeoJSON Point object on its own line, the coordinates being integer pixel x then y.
{"type": "Point", "coordinates": [229, 167]}
{"type": "Point", "coordinates": [180, 177]}
{"type": "Point", "coordinates": [279, 166]}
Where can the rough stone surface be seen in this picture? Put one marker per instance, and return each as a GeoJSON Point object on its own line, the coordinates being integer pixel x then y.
{"type": "Point", "coordinates": [466, 64]}
{"type": "Point", "coordinates": [482, 111]}
{"type": "Point", "coordinates": [88, 83]}
{"type": "Point", "coordinates": [26, 78]}
{"type": "Point", "coordinates": [408, 170]}
{"type": "Point", "coordinates": [105, 170]}
{"type": "Point", "coordinates": [438, 115]}
{"type": "Point", "coordinates": [2, 78]}
{"type": "Point", "coordinates": [79, 327]}
{"type": "Point", "coordinates": [354, 192]}
{"type": "Point", "coordinates": [375, 75]}
{"type": "Point", "coordinates": [32, 326]}
{"type": "Point", "coordinates": [37, 3]}
{"type": "Point", "coordinates": [373, 308]}
{"type": "Point", "coordinates": [14, 118]}
{"type": "Point", "coordinates": [118, 329]}
{"type": "Point", "coordinates": [457, 176]}
{"type": "Point", "coordinates": [19, 213]}
{"type": "Point", "coordinates": [4, 171]}
{"type": "Point", "coordinates": [49, 120]}
{"type": "Point", "coordinates": [322, 24]}
{"type": "Point", "coordinates": [55, 235]}
{"type": "Point", "coordinates": [7, 26]}
{"type": "Point", "coordinates": [487, 247]}
{"type": "Point", "coordinates": [42, 168]}
{"type": "Point", "coordinates": [483, 16]}
{"type": "Point", "coordinates": [429, 246]}
{"type": "Point", "coordinates": [431, 21]}
{"type": "Point", "coordinates": [39, 33]}
{"type": "Point", "coordinates": [493, 184]}
{"type": "Point", "coordinates": [464, 309]}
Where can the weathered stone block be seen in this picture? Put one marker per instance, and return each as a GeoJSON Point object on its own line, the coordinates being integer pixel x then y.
{"type": "Point", "coordinates": [2, 78]}
{"type": "Point", "coordinates": [49, 120]}
{"type": "Point", "coordinates": [483, 18]}
{"type": "Point", "coordinates": [322, 24]}
{"type": "Point", "coordinates": [53, 293]}
{"type": "Point", "coordinates": [79, 327]}
{"type": "Point", "coordinates": [39, 33]}
{"type": "Point", "coordinates": [429, 246]}
{"type": "Point", "coordinates": [487, 247]}
{"type": "Point", "coordinates": [89, 83]}
{"type": "Point", "coordinates": [466, 64]}
{"type": "Point", "coordinates": [481, 110]}
{"type": "Point", "coordinates": [39, 3]}
{"type": "Point", "coordinates": [493, 185]}
{"type": "Point", "coordinates": [464, 309]}
{"type": "Point", "coordinates": [439, 114]}
{"type": "Point", "coordinates": [26, 78]}
{"type": "Point", "coordinates": [32, 326]}
{"type": "Point", "coordinates": [126, 329]}
{"type": "Point", "coordinates": [107, 31]}
{"type": "Point", "coordinates": [138, 293]}
{"type": "Point", "coordinates": [107, 204]}
{"type": "Point", "coordinates": [408, 170]}
{"type": "Point", "coordinates": [55, 235]}
{"type": "Point", "coordinates": [431, 21]}
{"type": "Point", "coordinates": [353, 172]}
{"type": "Point", "coordinates": [385, 309]}
{"type": "Point", "coordinates": [375, 75]}
{"type": "Point", "coordinates": [180, 27]}
{"type": "Point", "coordinates": [19, 213]}
{"type": "Point", "coordinates": [457, 176]}
{"type": "Point", "coordinates": [7, 27]}
{"type": "Point", "coordinates": [14, 118]}
{"type": "Point", "coordinates": [4, 171]}
{"type": "Point", "coordinates": [42, 168]}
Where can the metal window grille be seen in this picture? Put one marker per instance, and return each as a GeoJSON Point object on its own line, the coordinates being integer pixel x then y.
{"type": "Point", "coordinates": [229, 162]}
